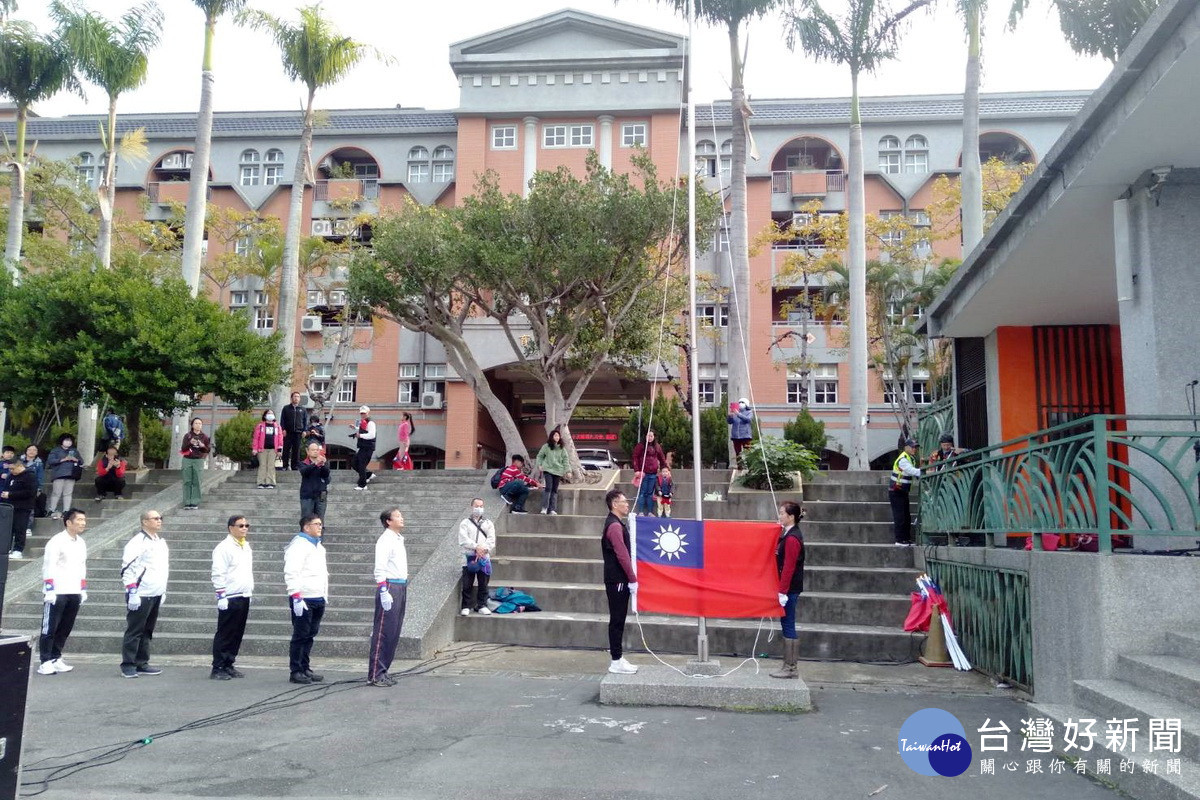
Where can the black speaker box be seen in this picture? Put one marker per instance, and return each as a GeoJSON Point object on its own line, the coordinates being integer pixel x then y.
{"type": "Point", "coordinates": [15, 658]}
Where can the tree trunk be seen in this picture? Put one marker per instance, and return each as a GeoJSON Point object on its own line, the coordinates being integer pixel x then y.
{"type": "Point", "coordinates": [739, 301]}
{"type": "Point", "coordinates": [458, 353]}
{"type": "Point", "coordinates": [857, 288]}
{"type": "Point", "coordinates": [289, 273]}
{"type": "Point", "coordinates": [16, 208]}
{"type": "Point", "coordinates": [136, 443]}
{"type": "Point", "coordinates": [107, 193]}
{"type": "Point", "coordinates": [197, 205]}
{"type": "Point", "coordinates": [972, 172]}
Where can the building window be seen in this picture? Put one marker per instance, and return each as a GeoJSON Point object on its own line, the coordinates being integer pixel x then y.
{"type": "Point", "coordinates": [410, 388]}
{"type": "Point", "coordinates": [443, 164]}
{"type": "Point", "coordinates": [238, 298]}
{"type": "Point", "coordinates": [916, 154]}
{"type": "Point", "coordinates": [633, 134]}
{"type": "Point", "coordinates": [918, 395]}
{"type": "Point", "coordinates": [708, 392]}
{"type": "Point", "coordinates": [706, 159]}
{"type": "Point", "coordinates": [504, 137]}
{"type": "Point", "coordinates": [273, 175]}
{"type": "Point", "coordinates": [318, 382]}
{"type": "Point", "coordinates": [418, 165]}
{"type": "Point", "coordinates": [889, 155]}
{"type": "Point", "coordinates": [264, 318]}
{"type": "Point", "coordinates": [554, 136]}
{"type": "Point", "coordinates": [242, 246]}
{"type": "Point", "coordinates": [721, 239]}
{"type": "Point", "coordinates": [891, 236]}
{"type": "Point", "coordinates": [796, 391]}
{"type": "Point", "coordinates": [260, 298]}
{"type": "Point", "coordinates": [825, 384]}
{"type": "Point", "coordinates": [348, 388]}
{"type": "Point", "coordinates": [86, 169]}
{"type": "Point", "coordinates": [251, 171]}
{"type": "Point", "coordinates": [727, 156]}
{"type": "Point", "coordinates": [713, 315]}
{"type": "Point", "coordinates": [581, 136]}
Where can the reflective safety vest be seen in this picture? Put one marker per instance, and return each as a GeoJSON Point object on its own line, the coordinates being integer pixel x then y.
{"type": "Point", "coordinates": [899, 479]}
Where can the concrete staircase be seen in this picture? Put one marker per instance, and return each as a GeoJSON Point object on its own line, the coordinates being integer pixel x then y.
{"type": "Point", "coordinates": [432, 503]}
{"type": "Point", "coordinates": [1162, 685]}
{"type": "Point", "coordinates": [856, 583]}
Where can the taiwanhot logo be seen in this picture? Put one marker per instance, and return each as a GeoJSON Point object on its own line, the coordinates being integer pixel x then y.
{"type": "Point", "coordinates": [933, 742]}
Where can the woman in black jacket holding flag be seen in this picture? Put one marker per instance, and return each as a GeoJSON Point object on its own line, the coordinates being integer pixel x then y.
{"type": "Point", "coordinates": [789, 561]}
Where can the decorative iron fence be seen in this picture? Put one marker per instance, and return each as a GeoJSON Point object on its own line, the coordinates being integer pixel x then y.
{"type": "Point", "coordinates": [990, 610]}
{"type": "Point", "coordinates": [935, 419]}
{"type": "Point", "coordinates": [1095, 476]}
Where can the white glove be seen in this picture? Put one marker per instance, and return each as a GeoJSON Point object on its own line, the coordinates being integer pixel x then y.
{"type": "Point", "coordinates": [132, 601]}
{"type": "Point", "coordinates": [299, 606]}
{"type": "Point", "coordinates": [49, 597]}
{"type": "Point", "coordinates": [633, 588]}
{"type": "Point", "coordinates": [385, 599]}
{"type": "Point", "coordinates": [222, 603]}
{"type": "Point", "coordinates": [783, 599]}
{"type": "Point", "coordinates": [83, 597]}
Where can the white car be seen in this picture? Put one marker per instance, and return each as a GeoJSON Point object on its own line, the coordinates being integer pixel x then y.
{"type": "Point", "coordinates": [596, 459]}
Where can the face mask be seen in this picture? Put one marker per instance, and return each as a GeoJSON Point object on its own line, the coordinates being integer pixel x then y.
{"type": "Point", "coordinates": [476, 512]}
{"type": "Point", "coordinates": [270, 417]}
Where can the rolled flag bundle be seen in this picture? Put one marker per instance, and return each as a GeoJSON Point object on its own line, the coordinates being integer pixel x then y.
{"type": "Point", "coordinates": [929, 588]}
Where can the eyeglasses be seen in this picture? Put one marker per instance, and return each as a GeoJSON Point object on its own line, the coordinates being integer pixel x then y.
{"type": "Point", "coordinates": [242, 525]}
{"type": "Point", "coordinates": [154, 519]}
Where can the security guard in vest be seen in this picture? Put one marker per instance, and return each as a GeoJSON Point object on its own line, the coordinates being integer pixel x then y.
{"type": "Point", "coordinates": [903, 471]}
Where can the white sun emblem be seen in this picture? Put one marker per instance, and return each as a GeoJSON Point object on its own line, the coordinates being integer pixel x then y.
{"type": "Point", "coordinates": [670, 543]}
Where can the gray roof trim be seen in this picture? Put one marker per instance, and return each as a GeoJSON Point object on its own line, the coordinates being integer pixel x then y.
{"type": "Point", "coordinates": [1158, 30]}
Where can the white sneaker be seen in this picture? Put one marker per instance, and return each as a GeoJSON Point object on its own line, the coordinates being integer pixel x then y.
{"type": "Point", "coordinates": [360, 488]}
{"type": "Point", "coordinates": [622, 667]}
{"type": "Point", "coordinates": [543, 511]}
{"type": "Point", "coordinates": [16, 555]}
{"type": "Point", "coordinates": [61, 666]}
{"type": "Point", "coordinates": [554, 513]}
{"type": "Point", "coordinates": [47, 668]}
{"type": "Point", "coordinates": [466, 612]}
{"type": "Point", "coordinates": [485, 611]}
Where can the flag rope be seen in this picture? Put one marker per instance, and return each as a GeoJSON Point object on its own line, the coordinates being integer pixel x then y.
{"type": "Point", "coordinates": [642, 634]}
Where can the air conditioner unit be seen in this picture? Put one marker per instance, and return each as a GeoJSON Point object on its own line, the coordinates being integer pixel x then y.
{"type": "Point", "coordinates": [173, 161]}
{"type": "Point", "coordinates": [310, 324]}
{"type": "Point", "coordinates": [345, 227]}
{"type": "Point", "coordinates": [306, 401]}
{"type": "Point", "coordinates": [187, 161]}
{"type": "Point", "coordinates": [431, 400]}
{"type": "Point", "coordinates": [322, 227]}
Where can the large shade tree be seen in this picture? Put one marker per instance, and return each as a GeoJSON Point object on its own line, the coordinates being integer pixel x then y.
{"type": "Point", "coordinates": [862, 37]}
{"type": "Point", "coordinates": [317, 55]}
{"type": "Point", "coordinates": [33, 68]}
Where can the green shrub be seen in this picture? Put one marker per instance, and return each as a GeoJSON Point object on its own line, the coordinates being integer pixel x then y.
{"type": "Point", "coordinates": [714, 435]}
{"type": "Point", "coordinates": [672, 429]}
{"type": "Point", "coordinates": [807, 432]}
{"type": "Point", "coordinates": [156, 440]}
{"type": "Point", "coordinates": [778, 458]}
{"type": "Point", "coordinates": [16, 441]}
{"type": "Point", "coordinates": [235, 435]}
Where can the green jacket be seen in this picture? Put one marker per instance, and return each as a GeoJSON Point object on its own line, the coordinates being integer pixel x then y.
{"type": "Point", "coordinates": [553, 460]}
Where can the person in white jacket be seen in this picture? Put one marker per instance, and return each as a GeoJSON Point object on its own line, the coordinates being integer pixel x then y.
{"type": "Point", "coordinates": [307, 579]}
{"type": "Point", "coordinates": [364, 432]}
{"type": "Point", "coordinates": [64, 589]}
{"type": "Point", "coordinates": [477, 541]}
{"type": "Point", "coordinates": [233, 582]}
{"type": "Point", "coordinates": [391, 597]}
{"type": "Point", "coordinates": [144, 571]}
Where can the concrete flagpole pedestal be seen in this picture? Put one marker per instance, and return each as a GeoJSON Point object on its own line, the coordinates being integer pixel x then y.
{"type": "Point", "coordinates": [744, 690]}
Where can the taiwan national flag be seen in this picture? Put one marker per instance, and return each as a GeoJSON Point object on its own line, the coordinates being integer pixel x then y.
{"type": "Point", "coordinates": [706, 569]}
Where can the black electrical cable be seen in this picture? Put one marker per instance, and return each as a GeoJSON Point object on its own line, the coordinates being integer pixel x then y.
{"type": "Point", "coordinates": [290, 698]}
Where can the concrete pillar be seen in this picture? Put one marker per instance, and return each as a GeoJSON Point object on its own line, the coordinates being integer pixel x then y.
{"type": "Point", "coordinates": [606, 141]}
{"type": "Point", "coordinates": [531, 149]}
{"type": "Point", "coordinates": [462, 424]}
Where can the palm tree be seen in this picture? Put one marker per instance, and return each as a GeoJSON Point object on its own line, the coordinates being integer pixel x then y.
{"type": "Point", "coordinates": [733, 15]}
{"type": "Point", "coordinates": [972, 172]}
{"type": "Point", "coordinates": [7, 7]}
{"type": "Point", "coordinates": [862, 38]}
{"type": "Point", "coordinates": [114, 57]}
{"type": "Point", "coordinates": [197, 206]}
{"type": "Point", "coordinates": [32, 68]}
{"type": "Point", "coordinates": [315, 54]}
{"type": "Point", "coordinates": [1095, 27]}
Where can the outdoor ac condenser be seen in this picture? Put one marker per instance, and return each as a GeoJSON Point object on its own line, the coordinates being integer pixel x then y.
{"type": "Point", "coordinates": [431, 400]}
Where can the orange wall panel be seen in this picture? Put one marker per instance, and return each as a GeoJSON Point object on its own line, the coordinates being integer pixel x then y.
{"type": "Point", "coordinates": [1018, 383]}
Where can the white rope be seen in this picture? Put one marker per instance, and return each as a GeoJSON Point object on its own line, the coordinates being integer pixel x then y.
{"type": "Point", "coordinates": [742, 663]}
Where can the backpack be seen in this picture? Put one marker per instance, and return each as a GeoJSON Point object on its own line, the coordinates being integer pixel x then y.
{"type": "Point", "coordinates": [513, 601]}
{"type": "Point", "coordinates": [496, 478]}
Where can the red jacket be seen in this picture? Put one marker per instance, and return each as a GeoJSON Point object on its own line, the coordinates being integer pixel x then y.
{"type": "Point", "coordinates": [513, 472]}
{"type": "Point", "coordinates": [260, 437]}
{"type": "Point", "coordinates": [102, 467]}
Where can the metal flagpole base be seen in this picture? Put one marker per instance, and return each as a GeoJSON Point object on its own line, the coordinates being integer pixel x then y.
{"type": "Point", "coordinates": [707, 667]}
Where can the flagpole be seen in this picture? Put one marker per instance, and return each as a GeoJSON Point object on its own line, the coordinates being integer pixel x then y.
{"type": "Point", "coordinates": [694, 355]}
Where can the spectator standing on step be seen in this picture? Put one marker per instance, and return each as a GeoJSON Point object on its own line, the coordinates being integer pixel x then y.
{"type": "Point", "coordinates": [789, 562]}
{"type": "Point", "coordinates": [477, 540]}
{"type": "Point", "coordinates": [515, 484]}
{"type": "Point", "coordinates": [315, 432]}
{"type": "Point", "coordinates": [620, 580]}
{"type": "Point", "coordinates": [741, 426]}
{"type": "Point", "coordinates": [21, 494]}
{"type": "Point", "coordinates": [945, 452]}
{"type": "Point", "coordinates": [7, 456]}
{"type": "Point", "coordinates": [64, 590]}
{"type": "Point", "coordinates": [364, 433]}
{"type": "Point", "coordinates": [648, 457]}
{"type": "Point", "coordinates": [294, 421]}
{"type": "Point", "coordinates": [34, 463]}
{"type": "Point", "coordinates": [233, 582]}
{"type": "Point", "coordinates": [314, 482]}
{"type": "Point", "coordinates": [65, 465]}
{"type": "Point", "coordinates": [110, 474]}
{"type": "Point", "coordinates": [196, 447]}
{"type": "Point", "coordinates": [552, 459]}
{"type": "Point", "coordinates": [904, 470]}
{"type": "Point", "coordinates": [391, 597]}
{"type": "Point", "coordinates": [267, 443]}
{"type": "Point", "coordinates": [144, 572]}
{"type": "Point", "coordinates": [404, 432]}
{"type": "Point", "coordinates": [307, 579]}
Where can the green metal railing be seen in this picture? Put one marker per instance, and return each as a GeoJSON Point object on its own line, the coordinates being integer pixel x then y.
{"type": "Point", "coordinates": [937, 418]}
{"type": "Point", "coordinates": [1097, 475]}
{"type": "Point", "coordinates": [990, 610]}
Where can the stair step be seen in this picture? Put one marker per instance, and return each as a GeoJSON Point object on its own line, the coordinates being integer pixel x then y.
{"type": "Point", "coordinates": [1185, 644]}
{"type": "Point", "coordinates": [1172, 676]}
{"type": "Point", "coordinates": [1116, 699]}
{"type": "Point", "coordinates": [167, 643]}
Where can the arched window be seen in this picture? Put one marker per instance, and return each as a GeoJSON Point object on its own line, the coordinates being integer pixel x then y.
{"type": "Point", "coordinates": [889, 155]}
{"type": "Point", "coordinates": [251, 172]}
{"type": "Point", "coordinates": [727, 156]}
{"type": "Point", "coordinates": [706, 158]}
{"type": "Point", "coordinates": [443, 164]}
{"type": "Point", "coordinates": [274, 156]}
{"type": "Point", "coordinates": [916, 154]}
{"type": "Point", "coordinates": [418, 165]}
{"type": "Point", "coordinates": [273, 171]}
{"type": "Point", "coordinates": [86, 169]}
{"type": "Point", "coordinates": [250, 157]}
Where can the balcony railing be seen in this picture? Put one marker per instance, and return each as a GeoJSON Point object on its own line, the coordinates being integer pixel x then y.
{"type": "Point", "coordinates": [347, 189]}
{"type": "Point", "coordinates": [807, 183]}
{"type": "Point", "coordinates": [1094, 477]}
{"type": "Point", "coordinates": [170, 191]}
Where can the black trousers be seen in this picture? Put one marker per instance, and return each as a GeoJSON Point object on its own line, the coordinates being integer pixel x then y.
{"type": "Point", "coordinates": [385, 631]}
{"type": "Point", "coordinates": [109, 483]}
{"type": "Point", "coordinates": [550, 483]}
{"type": "Point", "coordinates": [20, 526]}
{"type": "Point", "coordinates": [231, 627]}
{"type": "Point", "coordinates": [469, 598]}
{"type": "Point", "coordinates": [304, 630]}
{"type": "Point", "coordinates": [901, 515]}
{"type": "Point", "coordinates": [139, 630]}
{"type": "Point", "coordinates": [361, 459]}
{"type": "Point", "coordinates": [618, 609]}
{"type": "Point", "coordinates": [314, 505]}
{"type": "Point", "coordinates": [57, 621]}
{"type": "Point", "coordinates": [293, 449]}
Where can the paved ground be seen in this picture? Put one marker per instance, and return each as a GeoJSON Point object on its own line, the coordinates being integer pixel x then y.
{"type": "Point", "coordinates": [501, 722]}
